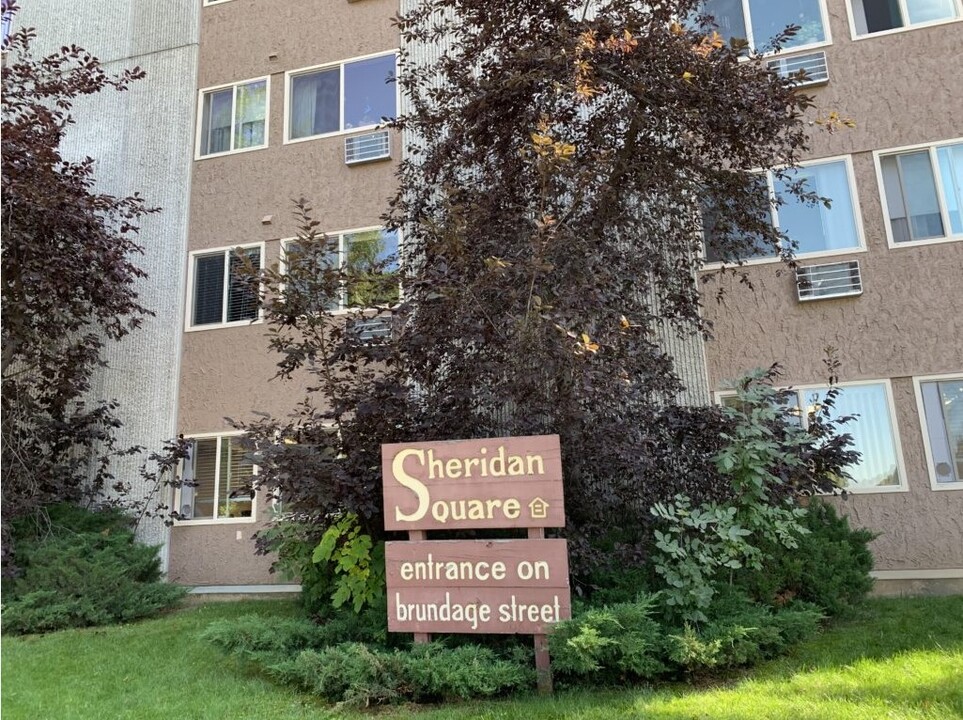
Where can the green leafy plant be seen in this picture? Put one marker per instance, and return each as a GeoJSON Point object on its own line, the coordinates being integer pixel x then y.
{"type": "Point", "coordinates": [358, 563]}
{"type": "Point", "coordinates": [767, 459]}
{"type": "Point", "coordinates": [291, 540]}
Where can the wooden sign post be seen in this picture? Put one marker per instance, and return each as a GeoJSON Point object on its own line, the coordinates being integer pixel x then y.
{"type": "Point", "coordinates": [477, 586]}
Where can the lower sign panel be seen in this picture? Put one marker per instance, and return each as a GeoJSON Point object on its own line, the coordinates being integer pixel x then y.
{"type": "Point", "coordinates": [477, 586]}
{"type": "Point", "coordinates": [477, 610]}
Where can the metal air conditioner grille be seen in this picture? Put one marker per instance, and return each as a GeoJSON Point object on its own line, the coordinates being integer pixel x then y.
{"type": "Point", "coordinates": [367, 148]}
{"type": "Point", "coordinates": [370, 331]}
{"type": "Point", "coordinates": [833, 280]}
{"type": "Point", "coordinates": [814, 65]}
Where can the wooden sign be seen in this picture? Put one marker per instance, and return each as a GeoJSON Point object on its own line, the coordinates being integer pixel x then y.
{"type": "Point", "coordinates": [477, 586]}
{"type": "Point", "coordinates": [473, 484]}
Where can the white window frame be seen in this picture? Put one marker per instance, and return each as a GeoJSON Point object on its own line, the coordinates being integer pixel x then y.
{"type": "Point", "coordinates": [215, 88]}
{"type": "Point", "coordinates": [227, 251]}
{"type": "Point", "coordinates": [857, 217]}
{"type": "Point", "coordinates": [255, 471]}
{"type": "Point", "coordinates": [930, 465]}
{"type": "Point", "coordinates": [958, 4]}
{"type": "Point", "coordinates": [343, 309]}
{"type": "Point", "coordinates": [824, 19]}
{"type": "Point", "coordinates": [903, 485]}
{"type": "Point", "coordinates": [291, 74]}
{"type": "Point", "coordinates": [878, 156]}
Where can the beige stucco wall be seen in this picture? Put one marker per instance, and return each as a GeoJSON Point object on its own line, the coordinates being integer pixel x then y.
{"type": "Point", "coordinates": [221, 554]}
{"type": "Point", "coordinates": [901, 89]}
{"type": "Point", "coordinates": [226, 372]}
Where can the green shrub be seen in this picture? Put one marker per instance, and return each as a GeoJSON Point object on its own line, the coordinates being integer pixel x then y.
{"type": "Point", "coordinates": [82, 568]}
{"type": "Point", "coordinates": [626, 642]}
{"type": "Point", "coordinates": [611, 587]}
{"type": "Point", "coordinates": [433, 671]}
{"type": "Point", "coordinates": [341, 661]}
{"type": "Point", "coordinates": [608, 643]}
{"type": "Point", "coordinates": [268, 640]}
{"type": "Point", "coordinates": [352, 673]}
{"type": "Point", "coordinates": [830, 568]}
{"type": "Point", "coordinates": [292, 542]}
{"type": "Point", "coordinates": [360, 674]}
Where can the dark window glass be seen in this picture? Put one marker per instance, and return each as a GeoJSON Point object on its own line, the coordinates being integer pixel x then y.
{"type": "Point", "coordinates": [208, 289]}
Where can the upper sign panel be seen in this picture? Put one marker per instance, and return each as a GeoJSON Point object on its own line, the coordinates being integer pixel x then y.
{"type": "Point", "coordinates": [464, 484]}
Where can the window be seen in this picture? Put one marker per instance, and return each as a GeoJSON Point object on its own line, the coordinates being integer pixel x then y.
{"type": "Point", "coordinates": [346, 96]}
{"type": "Point", "coordinates": [219, 293]}
{"type": "Point", "coordinates": [217, 481]}
{"type": "Point", "coordinates": [759, 21]}
{"type": "Point", "coordinates": [940, 401]}
{"type": "Point", "coordinates": [874, 16]}
{"type": "Point", "coordinates": [814, 229]}
{"type": "Point", "coordinates": [368, 261]}
{"type": "Point", "coordinates": [873, 431]}
{"type": "Point", "coordinates": [923, 193]}
{"type": "Point", "coordinates": [233, 118]}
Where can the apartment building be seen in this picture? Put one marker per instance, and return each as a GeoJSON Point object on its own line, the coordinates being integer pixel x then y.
{"type": "Point", "coordinates": [269, 104]}
{"type": "Point", "coordinates": [288, 104]}
{"type": "Point", "coordinates": [880, 271]}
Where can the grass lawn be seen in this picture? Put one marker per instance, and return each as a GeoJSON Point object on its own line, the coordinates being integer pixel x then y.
{"type": "Point", "coordinates": [895, 660]}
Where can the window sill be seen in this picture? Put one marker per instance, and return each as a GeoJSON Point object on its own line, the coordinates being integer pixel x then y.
{"type": "Point", "coordinates": [215, 521]}
{"type": "Point", "coordinates": [804, 257]}
{"type": "Point", "coordinates": [907, 28]}
{"type": "Point", "coordinates": [940, 487]}
{"type": "Point", "coordinates": [879, 490]}
{"type": "Point", "coordinates": [338, 133]}
{"type": "Point", "coordinates": [222, 326]}
{"type": "Point", "coordinates": [788, 52]}
{"type": "Point", "coordinates": [198, 156]}
{"type": "Point", "coordinates": [919, 243]}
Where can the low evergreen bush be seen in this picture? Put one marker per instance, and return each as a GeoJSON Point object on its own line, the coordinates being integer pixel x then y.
{"type": "Point", "coordinates": [627, 641]}
{"type": "Point", "coordinates": [606, 643]}
{"type": "Point", "coordinates": [81, 568]}
{"type": "Point", "coordinates": [830, 568]}
{"type": "Point", "coordinates": [360, 674]}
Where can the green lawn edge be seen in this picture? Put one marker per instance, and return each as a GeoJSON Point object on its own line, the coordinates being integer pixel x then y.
{"type": "Point", "coordinates": [899, 659]}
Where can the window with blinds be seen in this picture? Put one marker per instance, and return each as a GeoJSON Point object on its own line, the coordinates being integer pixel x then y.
{"type": "Point", "coordinates": [218, 481]}
{"type": "Point", "coordinates": [233, 118]}
{"type": "Point", "coordinates": [873, 429]}
{"type": "Point", "coordinates": [941, 400]}
{"type": "Point", "coordinates": [923, 193]}
{"type": "Point", "coordinates": [359, 268]}
{"type": "Point", "coordinates": [341, 97]}
{"type": "Point", "coordinates": [220, 293]}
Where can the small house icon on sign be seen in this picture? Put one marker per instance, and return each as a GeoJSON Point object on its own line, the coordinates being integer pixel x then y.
{"type": "Point", "coordinates": [538, 509]}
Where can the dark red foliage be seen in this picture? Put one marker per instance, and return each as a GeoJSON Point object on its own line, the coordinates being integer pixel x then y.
{"type": "Point", "coordinates": [68, 279]}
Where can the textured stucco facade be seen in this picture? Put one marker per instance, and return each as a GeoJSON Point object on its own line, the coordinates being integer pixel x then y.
{"type": "Point", "coordinates": [140, 140]}
{"type": "Point", "coordinates": [902, 89]}
{"type": "Point", "coordinates": [906, 323]}
{"type": "Point", "coordinates": [247, 197]}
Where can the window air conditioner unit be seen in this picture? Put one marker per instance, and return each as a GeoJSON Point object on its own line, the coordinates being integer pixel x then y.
{"type": "Point", "coordinates": [370, 331]}
{"type": "Point", "coordinates": [833, 280]}
{"type": "Point", "coordinates": [369, 147]}
{"type": "Point", "coordinates": [814, 65]}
